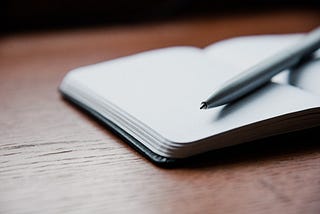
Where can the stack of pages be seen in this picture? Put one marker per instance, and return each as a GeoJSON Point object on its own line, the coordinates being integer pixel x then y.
{"type": "Point", "coordinates": [152, 99]}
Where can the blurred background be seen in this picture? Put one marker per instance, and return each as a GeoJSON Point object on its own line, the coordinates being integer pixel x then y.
{"type": "Point", "coordinates": [29, 15]}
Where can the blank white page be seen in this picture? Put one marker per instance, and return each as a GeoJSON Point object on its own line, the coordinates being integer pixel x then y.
{"type": "Point", "coordinates": [163, 90]}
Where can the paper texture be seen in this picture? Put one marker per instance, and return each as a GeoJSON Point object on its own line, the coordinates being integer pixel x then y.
{"type": "Point", "coordinates": [156, 95]}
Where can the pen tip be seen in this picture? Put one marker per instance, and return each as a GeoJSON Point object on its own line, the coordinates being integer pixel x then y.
{"type": "Point", "coordinates": [203, 105]}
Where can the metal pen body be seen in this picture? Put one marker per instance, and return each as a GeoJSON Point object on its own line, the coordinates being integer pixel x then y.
{"type": "Point", "coordinates": [261, 73]}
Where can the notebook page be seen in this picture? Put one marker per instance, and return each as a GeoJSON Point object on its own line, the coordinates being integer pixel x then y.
{"type": "Point", "coordinates": [163, 90]}
{"type": "Point", "coordinates": [244, 52]}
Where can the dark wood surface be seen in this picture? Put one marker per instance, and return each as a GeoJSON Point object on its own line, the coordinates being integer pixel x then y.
{"type": "Point", "coordinates": [56, 159]}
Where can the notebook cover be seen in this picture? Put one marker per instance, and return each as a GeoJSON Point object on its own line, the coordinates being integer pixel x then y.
{"type": "Point", "coordinates": [134, 143]}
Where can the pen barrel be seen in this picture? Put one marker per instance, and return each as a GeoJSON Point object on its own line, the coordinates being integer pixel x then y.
{"type": "Point", "coordinates": [286, 59]}
{"type": "Point", "coordinates": [261, 73]}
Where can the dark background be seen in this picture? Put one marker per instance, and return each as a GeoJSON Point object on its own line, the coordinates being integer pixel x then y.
{"type": "Point", "coordinates": [18, 15]}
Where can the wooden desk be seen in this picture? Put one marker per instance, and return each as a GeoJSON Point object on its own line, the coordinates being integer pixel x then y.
{"type": "Point", "coordinates": [56, 159]}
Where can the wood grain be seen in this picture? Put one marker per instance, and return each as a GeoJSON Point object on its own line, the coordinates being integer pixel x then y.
{"type": "Point", "coordinates": [56, 159]}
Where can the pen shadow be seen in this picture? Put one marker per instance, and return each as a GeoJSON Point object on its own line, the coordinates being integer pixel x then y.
{"type": "Point", "coordinates": [285, 146]}
{"type": "Point", "coordinates": [243, 101]}
{"type": "Point", "coordinates": [296, 74]}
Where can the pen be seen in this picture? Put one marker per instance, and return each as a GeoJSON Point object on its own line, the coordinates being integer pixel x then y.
{"type": "Point", "coordinates": [262, 72]}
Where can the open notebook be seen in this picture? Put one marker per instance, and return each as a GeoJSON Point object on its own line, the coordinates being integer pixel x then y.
{"type": "Point", "coordinates": [152, 99]}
